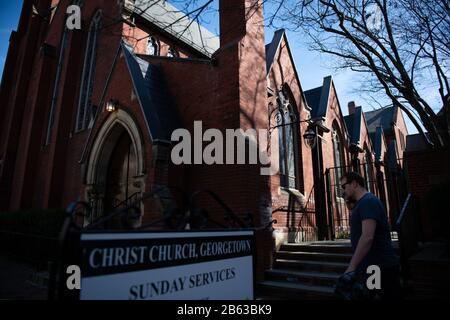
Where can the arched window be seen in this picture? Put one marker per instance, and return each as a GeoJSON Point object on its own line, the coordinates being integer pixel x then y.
{"type": "Point", "coordinates": [172, 53]}
{"type": "Point", "coordinates": [56, 85]}
{"type": "Point", "coordinates": [153, 47]}
{"type": "Point", "coordinates": [87, 81]}
{"type": "Point", "coordinates": [288, 143]}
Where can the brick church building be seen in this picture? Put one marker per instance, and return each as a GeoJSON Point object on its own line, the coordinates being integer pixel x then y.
{"type": "Point", "coordinates": [88, 115]}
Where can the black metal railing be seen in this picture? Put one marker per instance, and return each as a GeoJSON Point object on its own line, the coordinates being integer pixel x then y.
{"type": "Point", "coordinates": [386, 183]}
{"type": "Point", "coordinates": [230, 217]}
{"type": "Point", "coordinates": [338, 213]}
{"type": "Point", "coordinates": [307, 227]}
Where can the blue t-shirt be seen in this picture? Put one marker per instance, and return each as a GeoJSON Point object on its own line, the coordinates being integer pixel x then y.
{"type": "Point", "coordinates": [381, 253]}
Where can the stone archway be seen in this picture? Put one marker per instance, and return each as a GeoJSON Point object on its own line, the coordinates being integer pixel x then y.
{"type": "Point", "coordinates": [115, 169]}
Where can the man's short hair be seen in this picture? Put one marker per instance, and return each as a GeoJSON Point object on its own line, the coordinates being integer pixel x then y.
{"type": "Point", "coordinates": [354, 176]}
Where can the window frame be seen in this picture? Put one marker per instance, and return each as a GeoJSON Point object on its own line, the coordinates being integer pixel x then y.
{"type": "Point", "coordinates": [173, 53]}
{"type": "Point", "coordinates": [286, 107]}
{"type": "Point", "coordinates": [56, 86]}
{"type": "Point", "coordinates": [88, 75]}
{"type": "Point", "coordinates": [155, 43]}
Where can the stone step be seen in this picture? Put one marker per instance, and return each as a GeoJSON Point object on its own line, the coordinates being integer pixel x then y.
{"type": "Point", "coordinates": [304, 277]}
{"type": "Point", "coordinates": [287, 290]}
{"type": "Point", "coordinates": [308, 265]}
{"type": "Point", "coordinates": [314, 256]}
{"type": "Point", "coordinates": [339, 247]}
{"type": "Point", "coordinates": [318, 248]}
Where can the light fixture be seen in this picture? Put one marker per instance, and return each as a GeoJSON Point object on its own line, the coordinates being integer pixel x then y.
{"type": "Point", "coordinates": [310, 137]}
{"type": "Point", "coordinates": [111, 106]}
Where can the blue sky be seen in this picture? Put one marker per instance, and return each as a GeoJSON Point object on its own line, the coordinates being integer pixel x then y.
{"type": "Point", "coordinates": [311, 66]}
{"type": "Point", "coordinates": [9, 18]}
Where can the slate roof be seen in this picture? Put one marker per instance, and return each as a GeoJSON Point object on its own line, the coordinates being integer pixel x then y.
{"type": "Point", "coordinates": [349, 122]}
{"type": "Point", "coordinates": [313, 98]}
{"type": "Point", "coordinates": [272, 48]}
{"type": "Point", "coordinates": [171, 20]}
{"type": "Point", "coordinates": [318, 98]}
{"type": "Point", "coordinates": [377, 142]}
{"type": "Point", "coordinates": [353, 124]}
{"type": "Point", "coordinates": [382, 117]}
{"type": "Point", "coordinates": [153, 95]}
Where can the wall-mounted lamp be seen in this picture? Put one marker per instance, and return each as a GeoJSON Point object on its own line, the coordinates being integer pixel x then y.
{"type": "Point", "coordinates": [111, 106]}
{"type": "Point", "coordinates": [310, 137]}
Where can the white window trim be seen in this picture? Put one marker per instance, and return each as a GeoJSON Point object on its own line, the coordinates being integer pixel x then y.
{"type": "Point", "coordinates": [154, 42]}
{"type": "Point", "coordinates": [173, 53]}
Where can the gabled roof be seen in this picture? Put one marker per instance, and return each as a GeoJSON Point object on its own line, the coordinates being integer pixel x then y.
{"type": "Point", "coordinates": [318, 98]}
{"type": "Point", "coordinates": [154, 98]}
{"type": "Point", "coordinates": [313, 98]}
{"type": "Point", "coordinates": [353, 122]}
{"type": "Point", "coordinates": [383, 117]}
{"type": "Point", "coordinates": [349, 122]}
{"type": "Point", "coordinates": [272, 49]}
{"type": "Point", "coordinates": [377, 139]}
{"type": "Point", "coordinates": [171, 20]}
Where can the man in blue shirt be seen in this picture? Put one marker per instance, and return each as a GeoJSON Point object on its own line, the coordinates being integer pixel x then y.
{"type": "Point", "coordinates": [370, 236]}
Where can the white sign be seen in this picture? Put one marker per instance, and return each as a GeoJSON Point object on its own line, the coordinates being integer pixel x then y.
{"type": "Point", "coordinates": [208, 265]}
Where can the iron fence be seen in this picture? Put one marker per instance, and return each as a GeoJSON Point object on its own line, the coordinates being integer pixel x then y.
{"type": "Point", "coordinates": [307, 226]}
{"type": "Point", "coordinates": [387, 183]}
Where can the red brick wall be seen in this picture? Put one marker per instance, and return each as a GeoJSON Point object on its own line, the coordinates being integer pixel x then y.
{"type": "Point", "coordinates": [400, 128]}
{"type": "Point", "coordinates": [60, 159]}
{"type": "Point", "coordinates": [283, 73]}
{"type": "Point", "coordinates": [425, 169]}
{"type": "Point", "coordinates": [16, 110]}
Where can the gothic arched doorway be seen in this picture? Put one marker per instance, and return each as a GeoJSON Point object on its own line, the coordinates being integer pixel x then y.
{"type": "Point", "coordinates": [119, 182]}
{"type": "Point", "coordinates": [115, 174]}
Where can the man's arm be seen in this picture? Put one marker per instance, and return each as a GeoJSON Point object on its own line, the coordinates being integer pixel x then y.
{"type": "Point", "coordinates": [364, 243]}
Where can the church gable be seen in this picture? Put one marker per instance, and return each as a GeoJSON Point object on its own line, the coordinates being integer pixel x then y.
{"type": "Point", "coordinates": [154, 98]}
{"type": "Point", "coordinates": [281, 70]}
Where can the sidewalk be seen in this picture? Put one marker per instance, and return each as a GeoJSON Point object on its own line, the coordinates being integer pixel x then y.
{"type": "Point", "coordinates": [16, 281]}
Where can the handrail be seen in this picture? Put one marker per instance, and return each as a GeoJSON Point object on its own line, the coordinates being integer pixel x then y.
{"type": "Point", "coordinates": [403, 211]}
{"type": "Point", "coordinates": [126, 200]}
{"type": "Point", "coordinates": [122, 210]}
{"type": "Point", "coordinates": [234, 217]}
{"type": "Point", "coordinates": [311, 193]}
{"type": "Point", "coordinates": [306, 208]}
{"type": "Point", "coordinates": [133, 204]}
